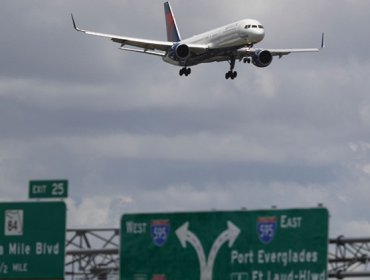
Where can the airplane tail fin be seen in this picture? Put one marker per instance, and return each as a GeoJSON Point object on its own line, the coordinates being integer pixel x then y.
{"type": "Point", "coordinates": [173, 34]}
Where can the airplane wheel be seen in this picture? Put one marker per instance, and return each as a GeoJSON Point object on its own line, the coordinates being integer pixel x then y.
{"type": "Point", "coordinates": [231, 75]}
{"type": "Point", "coordinates": [185, 71]}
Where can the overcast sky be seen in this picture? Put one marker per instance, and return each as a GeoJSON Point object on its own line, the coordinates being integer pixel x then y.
{"type": "Point", "coordinates": [131, 135]}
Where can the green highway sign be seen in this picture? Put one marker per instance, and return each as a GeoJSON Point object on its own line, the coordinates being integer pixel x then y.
{"type": "Point", "coordinates": [289, 244]}
{"type": "Point", "coordinates": [32, 240]}
{"type": "Point", "coordinates": [48, 189]}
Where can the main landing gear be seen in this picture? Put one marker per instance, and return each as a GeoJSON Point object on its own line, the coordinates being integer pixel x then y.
{"type": "Point", "coordinates": [231, 74]}
{"type": "Point", "coordinates": [247, 60]}
{"type": "Point", "coordinates": [185, 71]}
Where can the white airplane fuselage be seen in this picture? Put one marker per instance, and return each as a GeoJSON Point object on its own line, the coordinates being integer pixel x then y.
{"type": "Point", "coordinates": [236, 35]}
{"type": "Point", "coordinates": [230, 43]}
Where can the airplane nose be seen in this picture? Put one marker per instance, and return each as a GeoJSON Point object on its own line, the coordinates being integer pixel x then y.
{"type": "Point", "coordinates": [252, 33]}
{"type": "Point", "coordinates": [257, 35]}
{"type": "Point", "coordinates": [262, 33]}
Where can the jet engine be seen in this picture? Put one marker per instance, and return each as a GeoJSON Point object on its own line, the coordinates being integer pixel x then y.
{"type": "Point", "coordinates": [180, 51]}
{"type": "Point", "coordinates": [262, 58]}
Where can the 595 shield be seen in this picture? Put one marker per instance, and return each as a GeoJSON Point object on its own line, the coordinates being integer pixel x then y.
{"type": "Point", "coordinates": [159, 230]}
{"type": "Point", "coordinates": [266, 229]}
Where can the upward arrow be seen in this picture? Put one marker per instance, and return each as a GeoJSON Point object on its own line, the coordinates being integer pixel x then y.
{"type": "Point", "coordinates": [185, 235]}
{"type": "Point", "coordinates": [229, 235]}
{"type": "Point", "coordinates": [206, 267]}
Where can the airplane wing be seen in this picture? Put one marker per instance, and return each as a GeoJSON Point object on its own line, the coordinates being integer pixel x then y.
{"type": "Point", "coordinates": [282, 52]}
{"type": "Point", "coordinates": [153, 47]}
{"type": "Point", "coordinates": [144, 45]}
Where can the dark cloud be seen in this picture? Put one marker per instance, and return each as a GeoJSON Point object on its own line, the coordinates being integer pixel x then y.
{"type": "Point", "coordinates": [125, 128]}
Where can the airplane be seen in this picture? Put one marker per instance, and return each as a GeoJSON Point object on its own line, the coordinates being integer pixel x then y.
{"type": "Point", "coordinates": [229, 43]}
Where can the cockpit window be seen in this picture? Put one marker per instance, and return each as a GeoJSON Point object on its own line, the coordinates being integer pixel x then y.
{"type": "Point", "coordinates": [253, 26]}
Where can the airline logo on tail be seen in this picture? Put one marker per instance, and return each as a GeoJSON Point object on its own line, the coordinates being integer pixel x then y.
{"type": "Point", "coordinates": [173, 34]}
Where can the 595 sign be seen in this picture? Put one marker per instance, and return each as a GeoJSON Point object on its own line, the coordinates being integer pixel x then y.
{"type": "Point", "coordinates": [48, 189]}
{"type": "Point", "coordinates": [266, 228]}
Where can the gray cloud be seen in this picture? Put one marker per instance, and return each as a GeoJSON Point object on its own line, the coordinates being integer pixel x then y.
{"type": "Point", "coordinates": [133, 136]}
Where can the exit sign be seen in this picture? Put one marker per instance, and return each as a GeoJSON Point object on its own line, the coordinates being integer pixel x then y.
{"type": "Point", "coordinates": [48, 189]}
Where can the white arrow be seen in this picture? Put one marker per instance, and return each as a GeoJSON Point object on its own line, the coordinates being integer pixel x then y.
{"type": "Point", "coordinates": [228, 235]}
{"type": "Point", "coordinates": [185, 235]}
{"type": "Point", "coordinates": [206, 267]}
